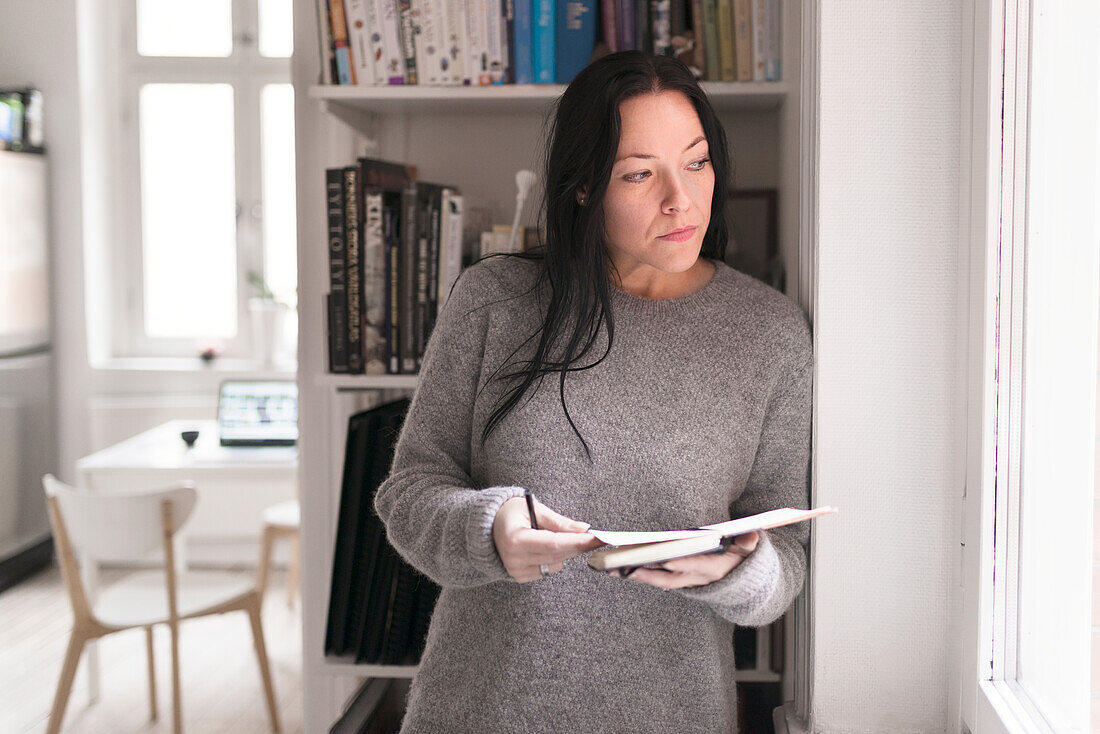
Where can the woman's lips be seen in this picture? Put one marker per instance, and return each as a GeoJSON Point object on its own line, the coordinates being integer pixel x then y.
{"type": "Point", "coordinates": [679, 235]}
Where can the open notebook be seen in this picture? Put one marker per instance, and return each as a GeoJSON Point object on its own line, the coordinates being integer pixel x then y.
{"type": "Point", "coordinates": [634, 549]}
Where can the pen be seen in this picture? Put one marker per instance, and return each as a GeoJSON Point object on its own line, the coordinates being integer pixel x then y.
{"type": "Point", "coordinates": [544, 569]}
{"type": "Point", "coordinates": [531, 508]}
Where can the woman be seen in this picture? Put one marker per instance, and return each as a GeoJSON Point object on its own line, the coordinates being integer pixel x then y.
{"type": "Point", "coordinates": [680, 396]}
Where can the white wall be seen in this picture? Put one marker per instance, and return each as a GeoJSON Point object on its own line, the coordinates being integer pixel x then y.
{"type": "Point", "coordinates": [886, 566]}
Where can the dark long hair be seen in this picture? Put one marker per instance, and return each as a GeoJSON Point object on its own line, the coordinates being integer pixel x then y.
{"type": "Point", "coordinates": [579, 155]}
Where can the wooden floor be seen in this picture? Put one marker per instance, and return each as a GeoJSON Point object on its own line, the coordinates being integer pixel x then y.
{"type": "Point", "coordinates": [221, 688]}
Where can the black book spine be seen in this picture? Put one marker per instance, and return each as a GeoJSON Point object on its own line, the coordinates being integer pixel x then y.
{"type": "Point", "coordinates": [409, 247]}
{"type": "Point", "coordinates": [337, 253]}
{"type": "Point", "coordinates": [391, 218]}
{"type": "Point", "coordinates": [346, 530]}
{"type": "Point", "coordinates": [423, 259]}
{"type": "Point", "coordinates": [433, 260]}
{"type": "Point", "coordinates": [643, 34]}
{"type": "Point", "coordinates": [352, 231]}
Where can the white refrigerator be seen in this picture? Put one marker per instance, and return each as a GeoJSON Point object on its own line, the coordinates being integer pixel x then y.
{"type": "Point", "coordinates": [28, 435]}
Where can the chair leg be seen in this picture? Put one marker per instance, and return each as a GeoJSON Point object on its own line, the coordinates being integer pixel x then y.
{"type": "Point", "coordinates": [265, 560]}
{"type": "Point", "coordinates": [65, 682]}
{"type": "Point", "coordinates": [293, 571]}
{"type": "Point", "coordinates": [177, 715]}
{"type": "Point", "coordinates": [152, 674]}
{"type": "Point", "coordinates": [261, 656]}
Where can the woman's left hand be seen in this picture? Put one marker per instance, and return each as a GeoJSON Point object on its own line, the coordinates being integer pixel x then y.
{"type": "Point", "coordinates": [700, 570]}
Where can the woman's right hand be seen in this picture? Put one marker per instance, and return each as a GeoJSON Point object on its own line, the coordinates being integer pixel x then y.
{"type": "Point", "coordinates": [523, 549]}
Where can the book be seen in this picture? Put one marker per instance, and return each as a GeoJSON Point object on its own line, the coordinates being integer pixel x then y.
{"type": "Point", "coordinates": [524, 72]}
{"type": "Point", "coordinates": [375, 254]}
{"type": "Point", "coordinates": [711, 46]}
{"type": "Point", "coordinates": [727, 60]}
{"type": "Point", "coordinates": [543, 51]}
{"type": "Point", "coordinates": [661, 26]}
{"type": "Point", "coordinates": [574, 37]}
{"type": "Point", "coordinates": [773, 41]}
{"type": "Point", "coordinates": [393, 57]}
{"type": "Point", "coordinates": [391, 233]}
{"type": "Point", "coordinates": [742, 44]}
{"type": "Point", "coordinates": [334, 199]}
{"type": "Point", "coordinates": [637, 549]}
{"type": "Point", "coordinates": [408, 40]}
{"type": "Point", "coordinates": [326, 46]}
{"type": "Point", "coordinates": [344, 65]}
{"type": "Point", "coordinates": [609, 24]}
{"type": "Point", "coordinates": [625, 17]}
{"type": "Point", "coordinates": [353, 224]}
{"type": "Point", "coordinates": [359, 15]}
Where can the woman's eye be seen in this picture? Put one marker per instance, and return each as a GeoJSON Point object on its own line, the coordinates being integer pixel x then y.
{"type": "Point", "coordinates": [699, 165]}
{"type": "Point", "coordinates": [640, 176]}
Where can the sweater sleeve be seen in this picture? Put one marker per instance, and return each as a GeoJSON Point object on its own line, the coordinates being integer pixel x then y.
{"type": "Point", "coordinates": [761, 588]}
{"type": "Point", "coordinates": [434, 515]}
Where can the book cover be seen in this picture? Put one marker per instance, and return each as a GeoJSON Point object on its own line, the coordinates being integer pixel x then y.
{"type": "Point", "coordinates": [575, 37]}
{"type": "Point", "coordinates": [392, 64]}
{"type": "Point", "coordinates": [660, 23]}
{"type": "Point", "coordinates": [727, 61]}
{"type": "Point", "coordinates": [759, 39]}
{"type": "Point", "coordinates": [428, 35]}
{"type": "Point", "coordinates": [643, 30]}
{"type": "Point", "coordinates": [774, 24]}
{"type": "Point", "coordinates": [363, 711]}
{"type": "Point", "coordinates": [521, 37]}
{"type": "Point", "coordinates": [337, 251]}
{"type": "Point", "coordinates": [497, 52]}
{"type": "Point", "coordinates": [374, 286]}
{"type": "Point", "coordinates": [344, 63]}
{"type": "Point", "coordinates": [742, 39]}
{"type": "Point", "coordinates": [408, 40]}
{"type": "Point", "coordinates": [455, 33]}
{"type": "Point", "coordinates": [626, 15]}
{"type": "Point", "coordinates": [359, 15]}
{"type": "Point", "coordinates": [609, 24]}
{"type": "Point", "coordinates": [352, 231]}
{"type": "Point", "coordinates": [542, 41]}
{"type": "Point", "coordinates": [711, 46]}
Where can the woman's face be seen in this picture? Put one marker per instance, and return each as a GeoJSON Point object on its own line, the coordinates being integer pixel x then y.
{"type": "Point", "coordinates": [657, 205]}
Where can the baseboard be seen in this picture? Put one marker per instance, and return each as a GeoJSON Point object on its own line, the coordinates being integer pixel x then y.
{"type": "Point", "coordinates": [25, 563]}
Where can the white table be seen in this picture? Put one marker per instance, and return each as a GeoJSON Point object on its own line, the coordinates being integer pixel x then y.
{"type": "Point", "coordinates": [234, 483]}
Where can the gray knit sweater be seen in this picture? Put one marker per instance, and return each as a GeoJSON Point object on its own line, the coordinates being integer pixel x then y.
{"type": "Point", "coordinates": [700, 413]}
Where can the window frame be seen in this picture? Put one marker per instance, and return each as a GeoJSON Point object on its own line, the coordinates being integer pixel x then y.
{"type": "Point", "coordinates": [1004, 126]}
{"type": "Point", "coordinates": [247, 72]}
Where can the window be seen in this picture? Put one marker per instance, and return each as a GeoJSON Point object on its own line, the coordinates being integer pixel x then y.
{"type": "Point", "coordinates": [206, 192]}
{"type": "Point", "coordinates": [1033, 378]}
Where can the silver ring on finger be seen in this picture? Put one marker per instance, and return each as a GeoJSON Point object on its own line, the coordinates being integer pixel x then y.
{"type": "Point", "coordinates": [544, 569]}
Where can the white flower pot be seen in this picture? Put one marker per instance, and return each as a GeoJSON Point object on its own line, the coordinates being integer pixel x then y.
{"type": "Point", "coordinates": [267, 330]}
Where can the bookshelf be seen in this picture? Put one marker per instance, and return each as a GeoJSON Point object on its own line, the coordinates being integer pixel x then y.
{"type": "Point", "coordinates": [474, 138]}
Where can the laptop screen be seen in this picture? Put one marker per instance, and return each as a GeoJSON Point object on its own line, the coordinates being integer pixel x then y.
{"type": "Point", "coordinates": [258, 413]}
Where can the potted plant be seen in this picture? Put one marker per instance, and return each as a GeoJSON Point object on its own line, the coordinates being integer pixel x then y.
{"type": "Point", "coordinates": [268, 321]}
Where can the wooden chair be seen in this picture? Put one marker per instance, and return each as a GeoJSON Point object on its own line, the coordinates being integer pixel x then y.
{"type": "Point", "coordinates": [118, 527]}
{"type": "Point", "coordinates": [280, 520]}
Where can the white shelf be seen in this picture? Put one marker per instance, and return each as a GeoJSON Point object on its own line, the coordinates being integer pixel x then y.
{"type": "Point", "coordinates": [346, 665]}
{"type": "Point", "coordinates": [352, 383]}
{"type": "Point", "coordinates": [518, 98]}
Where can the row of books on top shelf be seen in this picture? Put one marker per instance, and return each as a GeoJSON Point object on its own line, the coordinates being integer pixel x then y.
{"type": "Point", "coordinates": [21, 120]}
{"type": "Point", "coordinates": [478, 42]}
{"type": "Point", "coordinates": [379, 605]}
{"type": "Point", "coordinates": [396, 246]}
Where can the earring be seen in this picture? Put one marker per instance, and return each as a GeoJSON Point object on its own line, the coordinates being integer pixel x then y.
{"type": "Point", "coordinates": [584, 200]}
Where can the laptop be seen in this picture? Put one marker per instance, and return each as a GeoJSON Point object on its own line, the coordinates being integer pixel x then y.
{"type": "Point", "coordinates": [258, 413]}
